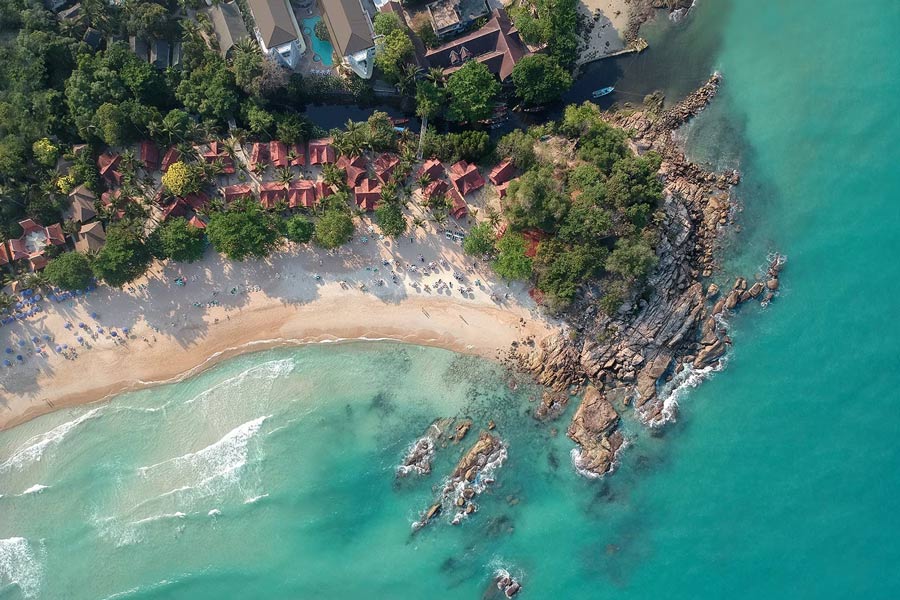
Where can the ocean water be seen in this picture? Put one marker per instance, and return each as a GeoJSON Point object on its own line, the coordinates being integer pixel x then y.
{"type": "Point", "coordinates": [272, 475]}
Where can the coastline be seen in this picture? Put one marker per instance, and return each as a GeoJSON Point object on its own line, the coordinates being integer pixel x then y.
{"type": "Point", "coordinates": [283, 305]}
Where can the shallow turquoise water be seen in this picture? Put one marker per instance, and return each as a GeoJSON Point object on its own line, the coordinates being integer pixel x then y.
{"type": "Point", "coordinates": [323, 49]}
{"type": "Point", "coordinates": [779, 480]}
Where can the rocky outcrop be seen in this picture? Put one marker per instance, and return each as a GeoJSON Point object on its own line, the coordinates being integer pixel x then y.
{"type": "Point", "coordinates": [678, 323]}
{"type": "Point", "coordinates": [420, 454]}
{"type": "Point", "coordinates": [595, 429]}
{"type": "Point", "coordinates": [641, 11]}
{"type": "Point", "coordinates": [473, 474]}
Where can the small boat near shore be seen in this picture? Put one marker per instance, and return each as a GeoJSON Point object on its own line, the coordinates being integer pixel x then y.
{"type": "Point", "coordinates": [603, 92]}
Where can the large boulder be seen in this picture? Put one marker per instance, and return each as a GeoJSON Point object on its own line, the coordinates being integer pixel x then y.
{"type": "Point", "coordinates": [595, 428]}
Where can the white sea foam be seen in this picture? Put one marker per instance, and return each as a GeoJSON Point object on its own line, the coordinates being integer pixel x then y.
{"type": "Point", "coordinates": [35, 489]}
{"type": "Point", "coordinates": [266, 372]}
{"type": "Point", "coordinates": [35, 447]}
{"type": "Point", "coordinates": [680, 385]}
{"type": "Point", "coordinates": [21, 566]}
{"type": "Point", "coordinates": [214, 513]}
{"type": "Point", "coordinates": [255, 499]}
{"type": "Point", "coordinates": [162, 517]}
{"type": "Point", "coordinates": [207, 471]}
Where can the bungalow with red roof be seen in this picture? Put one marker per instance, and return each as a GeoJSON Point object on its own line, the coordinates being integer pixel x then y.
{"type": "Point", "coordinates": [433, 168]}
{"type": "Point", "coordinates": [259, 153]}
{"type": "Point", "coordinates": [502, 172]}
{"type": "Point", "coordinates": [217, 153]}
{"type": "Point", "coordinates": [272, 192]}
{"type": "Point", "coordinates": [465, 177]}
{"type": "Point", "coordinates": [149, 154]}
{"type": "Point", "coordinates": [355, 168]}
{"type": "Point", "coordinates": [108, 164]}
{"type": "Point", "coordinates": [458, 207]}
{"type": "Point", "coordinates": [172, 155]}
{"type": "Point", "coordinates": [533, 237]}
{"type": "Point", "coordinates": [197, 222]}
{"type": "Point", "coordinates": [438, 187]}
{"type": "Point", "coordinates": [278, 154]}
{"type": "Point", "coordinates": [230, 193]}
{"type": "Point", "coordinates": [5, 257]}
{"type": "Point", "coordinates": [323, 190]}
{"type": "Point", "coordinates": [178, 208]}
{"type": "Point", "coordinates": [301, 193]}
{"type": "Point", "coordinates": [321, 152]}
{"type": "Point", "coordinates": [384, 165]}
{"type": "Point", "coordinates": [367, 194]}
{"type": "Point", "coordinates": [299, 155]}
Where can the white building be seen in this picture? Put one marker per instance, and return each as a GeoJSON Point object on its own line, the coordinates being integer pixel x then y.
{"type": "Point", "coordinates": [277, 31]}
{"type": "Point", "coordinates": [352, 36]}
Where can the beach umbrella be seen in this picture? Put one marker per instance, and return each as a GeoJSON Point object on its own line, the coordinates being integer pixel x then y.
{"type": "Point", "coordinates": [65, 346]}
{"type": "Point", "coordinates": [35, 339]}
{"type": "Point", "coordinates": [9, 350]}
{"type": "Point", "coordinates": [81, 325]}
{"type": "Point", "coordinates": [99, 330]}
{"type": "Point", "coordinates": [68, 325]}
{"type": "Point", "coordinates": [94, 315]}
{"type": "Point", "coordinates": [80, 339]}
{"type": "Point", "coordinates": [46, 337]}
{"type": "Point", "coordinates": [59, 348]}
{"type": "Point", "coordinates": [21, 342]}
{"type": "Point", "coordinates": [19, 357]}
{"type": "Point", "coordinates": [113, 333]}
{"type": "Point", "coordinates": [125, 330]}
{"type": "Point", "coordinates": [7, 363]}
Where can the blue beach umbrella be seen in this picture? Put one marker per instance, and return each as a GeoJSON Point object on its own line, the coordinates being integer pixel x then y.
{"type": "Point", "coordinates": [81, 325]}
{"type": "Point", "coordinates": [80, 339]}
{"type": "Point", "coordinates": [99, 330]}
{"type": "Point", "coordinates": [65, 346]}
{"type": "Point", "coordinates": [46, 338]}
{"type": "Point", "coordinates": [125, 330]}
{"type": "Point", "coordinates": [59, 348]}
{"type": "Point", "coordinates": [7, 363]}
{"type": "Point", "coordinates": [9, 351]}
{"type": "Point", "coordinates": [35, 339]}
{"type": "Point", "coordinates": [21, 342]}
{"type": "Point", "coordinates": [94, 315]}
{"type": "Point", "coordinates": [19, 357]}
{"type": "Point", "coordinates": [68, 325]}
{"type": "Point", "coordinates": [113, 333]}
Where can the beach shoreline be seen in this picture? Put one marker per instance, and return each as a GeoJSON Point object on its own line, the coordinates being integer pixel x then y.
{"type": "Point", "coordinates": [181, 319]}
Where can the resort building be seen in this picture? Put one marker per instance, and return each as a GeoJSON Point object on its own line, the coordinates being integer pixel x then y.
{"type": "Point", "coordinates": [272, 192]}
{"type": "Point", "coordinates": [108, 166]}
{"type": "Point", "coordinates": [228, 25]}
{"type": "Point", "coordinates": [34, 241]}
{"type": "Point", "coordinates": [230, 193]}
{"type": "Point", "coordinates": [91, 237]}
{"type": "Point", "coordinates": [81, 205]}
{"type": "Point", "coordinates": [171, 156]}
{"type": "Point", "coordinates": [277, 31]}
{"type": "Point", "coordinates": [218, 154]}
{"type": "Point", "coordinates": [278, 154]}
{"type": "Point", "coordinates": [497, 45]}
{"type": "Point", "coordinates": [352, 35]}
{"type": "Point", "coordinates": [301, 193]}
{"type": "Point", "coordinates": [384, 166]}
{"type": "Point", "coordinates": [367, 194]}
{"type": "Point", "coordinates": [321, 152]}
{"type": "Point", "coordinates": [355, 168]}
{"type": "Point", "coordinates": [465, 177]}
{"type": "Point", "coordinates": [450, 16]}
{"type": "Point", "coordinates": [298, 155]}
{"type": "Point", "coordinates": [433, 168]}
{"type": "Point", "coordinates": [149, 155]}
{"type": "Point", "coordinates": [259, 154]}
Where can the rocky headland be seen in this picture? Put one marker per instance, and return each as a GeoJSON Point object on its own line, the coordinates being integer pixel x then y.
{"type": "Point", "coordinates": [675, 322]}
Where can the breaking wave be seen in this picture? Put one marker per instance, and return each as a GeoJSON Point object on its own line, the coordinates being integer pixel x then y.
{"type": "Point", "coordinates": [682, 383]}
{"type": "Point", "coordinates": [21, 566]}
{"type": "Point", "coordinates": [266, 372]}
{"type": "Point", "coordinates": [34, 448]}
{"type": "Point", "coordinates": [35, 489]}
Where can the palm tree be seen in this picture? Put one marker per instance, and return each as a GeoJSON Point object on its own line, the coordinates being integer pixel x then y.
{"type": "Point", "coordinates": [408, 78]}
{"type": "Point", "coordinates": [423, 180]}
{"type": "Point", "coordinates": [71, 229]}
{"type": "Point", "coordinates": [6, 301]}
{"type": "Point", "coordinates": [493, 216]}
{"type": "Point", "coordinates": [435, 75]}
{"type": "Point", "coordinates": [332, 175]}
{"type": "Point", "coordinates": [419, 222]}
{"type": "Point", "coordinates": [284, 175]}
{"type": "Point", "coordinates": [35, 281]}
{"type": "Point", "coordinates": [246, 44]}
{"type": "Point", "coordinates": [439, 218]}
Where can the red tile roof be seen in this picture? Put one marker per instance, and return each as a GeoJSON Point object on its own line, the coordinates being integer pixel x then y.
{"type": "Point", "coordinates": [321, 151]}
{"type": "Point", "coordinates": [438, 187]}
{"type": "Point", "coordinates": [172, 155]}
{"type": "Point", "coordinates": [149, 154]}
{"type": "Point", "coordinates": [367, 194]}
{"type": "Point", "coordinates": [432, 167]}
{"type": "Point", "coordinates": [323, 190]}
{"type": "Point", "coordinates": [178, 208]}
{"type": "Point", "coordinates": [465, 177]}
{"type": "Point", "coordinates": [355, 168]}
{"type": "Point", "coordinates": [196, 201]}
{"type": "Point", "coordinates": [197, 222]}
{"type": "Point", "coordinates": [259, 153]}
{"type": "Point", "coordinates": [17, 249]}
{"type": "Point", "coordinates": [217, 153]}
{"type": "Point", "coordinates": [55, 234]}
{"type": "Point", "coordinates": [234, 192]}
{"type": "Point", "coordinates": [108, 166]}
{"type": "Point", "coordinates": [502, 172]}
{"type": "Point", "coordinates": [497, 45]}
{"type": "Point", "coordinates": [4, 254]}
{"type": "Point", "coordinates": [458, 207]}
{"type": "Point", "coordinates": [302, 194]}
{"type": "Point", "coordinates": [384, 166]}
{"type": "Point", "coordinates": [299, 155]}
{"type": "Point", "coordinates": [271, 192]}
{"type": "Point", "coordinates": [278, 154]}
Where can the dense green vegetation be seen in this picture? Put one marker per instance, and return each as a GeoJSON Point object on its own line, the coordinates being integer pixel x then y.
{"type": "Point", "coordinates": [244, 231]}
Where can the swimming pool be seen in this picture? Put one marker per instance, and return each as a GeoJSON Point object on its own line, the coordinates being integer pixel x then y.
{"type": "Point", "coordinates": [321, 49]}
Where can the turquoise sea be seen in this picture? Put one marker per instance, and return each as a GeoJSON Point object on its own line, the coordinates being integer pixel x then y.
{"type": "Point", "coordinates": [272, 475]}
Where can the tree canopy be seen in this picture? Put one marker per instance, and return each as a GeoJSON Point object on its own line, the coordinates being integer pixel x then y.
{"type": "Point", "coordinates": [540, 79]}
{"type": "Point", "coordinates": [180, 241]}
{"type": "Point", "coordinates": [334, 228]}
{"type": "Point", "coordinates": [70, 271]}
{"type": "Point", "coordinates": [124, 257]}
{"type": "Point", "coordinates": [299, 229]}
{"type": "Point", "coordinates": [243, 231]}
{"type": "Point", "coordinates": [472, 90]}
{"type": "Point", "coordinates": [480, 240]}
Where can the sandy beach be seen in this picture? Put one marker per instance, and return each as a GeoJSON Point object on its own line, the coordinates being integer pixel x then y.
{"type": "Point", "coordinates": [225, 308]}
{"type": "Point", "coordinates": [609, 19]}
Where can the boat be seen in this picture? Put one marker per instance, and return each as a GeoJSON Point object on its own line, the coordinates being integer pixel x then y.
{"type": "Point", "coordinates": [603, 92]}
